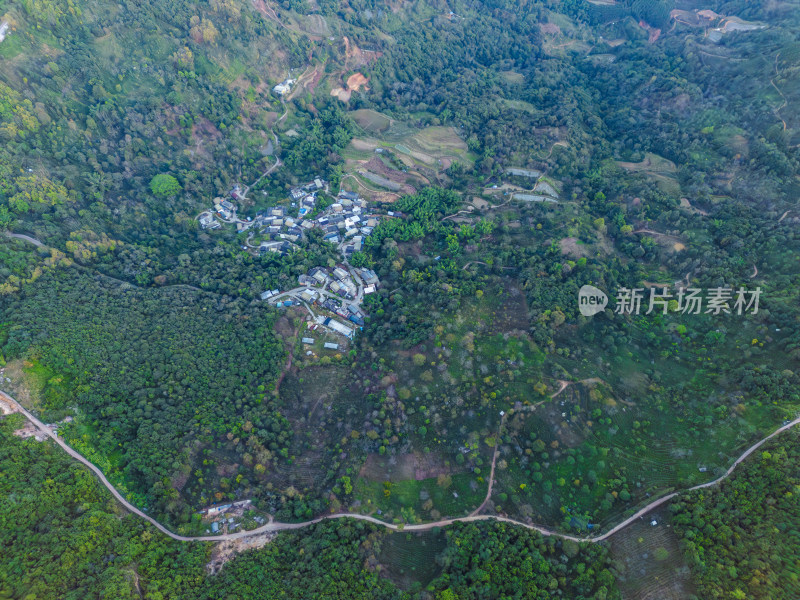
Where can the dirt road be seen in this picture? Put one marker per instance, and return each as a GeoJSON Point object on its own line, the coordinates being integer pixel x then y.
{"type": "Point", "coordinates": [27, 238]}
{"type": "Point", "coordinates": [277, 526]}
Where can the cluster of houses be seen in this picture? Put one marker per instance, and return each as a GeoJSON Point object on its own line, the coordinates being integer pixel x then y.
{"type": "Point", "coordinates": [281, 230]}
{"type": "Point", "coordinates": [347, 222]}
{"type": "Point", "coordinates": [337, 280]}
{"type": "Point", "coordinates": [348, 311]}
{"type": "Point", "coordinates": [233, 510]}
{"type": "Point", "coordinates": [223, 209]}
{"type": "Point", "coordinates": [338, 290]}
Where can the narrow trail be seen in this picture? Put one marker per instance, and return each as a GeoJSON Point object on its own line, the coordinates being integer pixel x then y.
{"type": "Point", "coordinates": [461, 212]}
{"type": "Point", "coordinates": [651, 232]}
{"type": "Point", "coordinates": [364, 187]}
{"type": "Point", "coordinates": [780, 93]}
{"type": "Point", "coordinates": [278, 161]}
{"type": "Point", "coordinates": [277, 526]}
{"type": "Point", "coordinates": [480, 262]}
{"type": "Point", "coordinates": [783, 216]}
{"type": "Point", "coordinates": [755, 272]}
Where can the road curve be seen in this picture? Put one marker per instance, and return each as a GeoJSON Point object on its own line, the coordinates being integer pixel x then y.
{"type": "Point", "coordinates": [277, 526]}
{"type": "Point", "coordinates": [27, 238]}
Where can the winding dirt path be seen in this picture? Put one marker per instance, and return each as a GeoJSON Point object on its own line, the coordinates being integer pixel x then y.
{"type": "Point", "coordinates": [277, 526]}
{"type": "Point", "coordinates": [364, 187]}
{"type": "Point", "coordinates": [780, 93]}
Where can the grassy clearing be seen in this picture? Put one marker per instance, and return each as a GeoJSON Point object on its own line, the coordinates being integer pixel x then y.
{"type": "Point", "coordinates": [371, 121]}
{"type": "Point", "coordinates": [513, 77]}
{"type": "Point", "coordinates": [520, 105]}
{"type": "Point", "coordinates": [417, 501]}
{"type": "Point", "coordinates": [652, 163]}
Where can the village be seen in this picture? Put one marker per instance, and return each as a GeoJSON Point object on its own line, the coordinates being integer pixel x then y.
{"type": "Point", "coordinates": [332, 295]}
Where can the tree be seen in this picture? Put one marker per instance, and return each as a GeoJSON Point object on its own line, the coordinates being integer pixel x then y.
{"type": "Point", "coordinates": [164, 185]}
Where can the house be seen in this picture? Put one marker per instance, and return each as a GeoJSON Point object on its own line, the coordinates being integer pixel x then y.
{"type": "Point", "coordinates": [278, 211]}
{"type": "Point", "coordinates": [209, 222]}
{"type": "Point", "coordinates": [331, 346]}
{"type": "Point", "coordinates": [307, 340]}
{"type": "Point", "coordinates": [308, 295]}
{"type": "Point", "coordinates": [319, 277]}
{"type": "Point", "coordinates": [369, 276]}
{"type": "Point", "coordinates": [340, 273]}
{"type": "Point", "coordinates": [357, 319]}
{"type": "Point", "coordinates": [224, 213]}
{"type": "Point", "coordinates": [337, 207]}
{"type": "Point", "coordinates": [338, 327]}
{"type": "Point", "coordinates": [284, 87]}
{"type": "Point", "coordinates": [319, 184]}
{"type": "Point", "coordinates": [214, 527]}
{"type": "Point", "coordinates": [369, 289]}
{"type": "Point", "coordinates": [267, 294]}
{"type": "Point", "coordinates": [349, 195]}
{"type": "Point", "coordinates": [227, 205]}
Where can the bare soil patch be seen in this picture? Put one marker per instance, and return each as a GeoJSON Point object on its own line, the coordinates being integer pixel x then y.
{"type": "Point", "coordinates": [360, 144]}
{"type": "Point", "coordinates": [356, 81]}
{"type": "Point", "coordinates": [570, 247]}
{"type": "Point", "coordinates": [415, 466]}
{"type": "Point", "coordinates": [388, 468]}
{"type": "Point", "coordinates": [224, 551]}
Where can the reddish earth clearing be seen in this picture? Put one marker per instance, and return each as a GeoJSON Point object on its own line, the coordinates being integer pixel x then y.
{"type": "Point", "coordinates": [357, 81]}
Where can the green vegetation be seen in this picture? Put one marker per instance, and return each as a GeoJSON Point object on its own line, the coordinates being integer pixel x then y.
{"type": "Point", "coordinates": [164, 186]}
{"type": "Point", "coordinates": [740, 538]}
{"type": "Point", "coordinates": [64, 537]}
{"type": "Point", "coordinates": [672, 146]}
